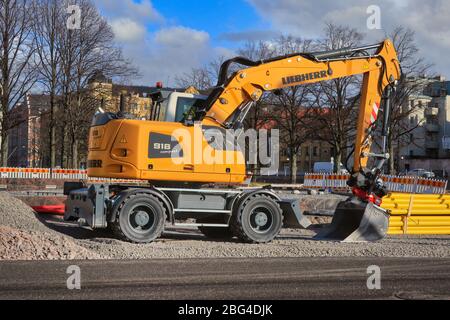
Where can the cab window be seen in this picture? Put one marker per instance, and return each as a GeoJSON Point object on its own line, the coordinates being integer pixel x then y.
{"type": "Point", "coordinates": [184, 105]}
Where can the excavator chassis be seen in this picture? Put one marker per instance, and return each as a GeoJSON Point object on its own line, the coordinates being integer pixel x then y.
{"type": "Point", "coordinates": [214, 210]}
{"type": "Point", "coordinates": [218, 213]}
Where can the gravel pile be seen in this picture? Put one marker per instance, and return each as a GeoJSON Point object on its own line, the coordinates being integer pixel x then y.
{"type": "Point", "coordinates": [24, 237]}
{"type": "Point", "coordinates": [31, 245]}
{"type": "Point", "coordinates": [16, 214]}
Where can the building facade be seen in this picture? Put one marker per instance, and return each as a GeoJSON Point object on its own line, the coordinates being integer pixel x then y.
{"type": "Point", "coordinates": [29, 132]}
{"type": "Point", "coordinates": [28, 139]}
{"type": "Point", "coordinates": [310, 151]}
{"type": "Point", "coordinates": [428, 144]}
{"type": "Point", "coordinates": [137, 100]}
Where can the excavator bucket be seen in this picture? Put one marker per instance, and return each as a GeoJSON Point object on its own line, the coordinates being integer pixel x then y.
{"type": "Point", "coordinates": [356, 221]}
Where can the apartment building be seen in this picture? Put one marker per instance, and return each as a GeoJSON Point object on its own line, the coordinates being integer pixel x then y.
{"type": "Point", "coordinates": [427, 145]}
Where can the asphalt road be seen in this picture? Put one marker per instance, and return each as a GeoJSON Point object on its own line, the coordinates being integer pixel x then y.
{"type": "Point", "coordinates": [279, 278]}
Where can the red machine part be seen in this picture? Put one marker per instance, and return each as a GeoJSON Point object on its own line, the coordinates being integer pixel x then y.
{"type": "Point", "coordinates": [51, 209]}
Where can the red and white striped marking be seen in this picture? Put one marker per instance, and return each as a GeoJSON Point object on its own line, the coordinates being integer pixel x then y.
{"type": "Point", "coordinates": [374, 113]}
{"type": "Point", "coordinates": [57, 174]}
{"type": "Point", "coordinates": [392, 183]}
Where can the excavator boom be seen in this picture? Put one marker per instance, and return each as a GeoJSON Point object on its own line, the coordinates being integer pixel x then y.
{"type": "Point", "coordinates": [380, 70]}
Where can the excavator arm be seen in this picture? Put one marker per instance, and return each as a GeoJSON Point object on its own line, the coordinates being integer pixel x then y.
{"type": "Point", "coordinates": [359, 218]}
{"type": "Point", "coordinates": [380, 70]}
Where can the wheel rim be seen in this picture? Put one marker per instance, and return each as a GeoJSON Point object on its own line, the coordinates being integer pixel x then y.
{"type": "Point", "coordinates": [141, 218]}
{"type": "Point", "coordinates": [261, 219]}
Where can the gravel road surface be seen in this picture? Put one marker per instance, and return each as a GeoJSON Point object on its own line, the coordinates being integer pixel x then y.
{"type": "Point", "coordinates": [267, 278]}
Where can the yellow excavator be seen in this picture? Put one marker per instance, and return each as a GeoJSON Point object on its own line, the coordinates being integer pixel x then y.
{"type": "Point", "coordinates": [154, 151]}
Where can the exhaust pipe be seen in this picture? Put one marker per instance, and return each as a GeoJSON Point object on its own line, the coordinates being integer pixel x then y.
{"type": "Point", "coordinates": [122, 104]}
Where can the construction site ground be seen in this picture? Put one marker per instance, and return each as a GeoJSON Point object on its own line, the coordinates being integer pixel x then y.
{"type": "Point", "coordinates": [24, 235]}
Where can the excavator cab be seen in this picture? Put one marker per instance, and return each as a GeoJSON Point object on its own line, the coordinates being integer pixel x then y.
{"type": "Point", "coordinates": [174, 106]}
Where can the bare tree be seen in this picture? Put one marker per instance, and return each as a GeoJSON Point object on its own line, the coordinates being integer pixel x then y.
{"type": "Point", "coordinates": [203, 77]}
{"type": "Point", "coordinates": [49, 20]}
{"type": "Point", "coordinates": [17, 74]}
{"type": "Point", "coordinates": [200, 78]}
{"type": "Point", "coordinates": [84, 53]}
{"type": "Point", "coordinates": [256, 51]}
{"type": "Point", "coordinates": [335, 100]}
{"type": "Point", "coordinates": [289, 108]}
{"type": "Point", "coordinates": [411, 84]}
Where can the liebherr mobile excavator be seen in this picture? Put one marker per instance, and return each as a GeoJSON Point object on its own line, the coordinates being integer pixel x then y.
{"type": "Point", "coordinates": [124, 148]}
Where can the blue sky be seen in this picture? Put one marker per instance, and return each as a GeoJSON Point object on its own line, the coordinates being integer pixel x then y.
{"type": "Point", "coordinates": [166, 38]}
{"type": "Point", "coordinates": [221, 19]}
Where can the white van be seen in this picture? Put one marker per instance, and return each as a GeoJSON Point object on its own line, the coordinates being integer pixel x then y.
{"type": "Point", "coordinates": [327, 167]}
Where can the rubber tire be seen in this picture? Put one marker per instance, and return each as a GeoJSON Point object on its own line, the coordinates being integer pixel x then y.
{"type": "Point", "coordinates": [122, 228]}
{"type": "Point", "coordinates": [241, 219]}
{"type": "Point", "coordinates": [217, 232]}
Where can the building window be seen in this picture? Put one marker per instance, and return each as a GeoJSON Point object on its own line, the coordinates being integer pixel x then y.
{"type": "Point", "coordinates": [315, 152]}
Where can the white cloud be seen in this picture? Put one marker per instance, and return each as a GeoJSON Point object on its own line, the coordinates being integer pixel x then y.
{"type": "Point", "coordinates": [170, 52]}
{"type": "Point", "coordinates": [159, 55]}
{"type": "Point", "coordinates": [142, 11]}
{"type": "Point", "coordinates": [181, 37]}
{"type": "Point", "coordinates": [224, 53]}
{"type": "Point", "coordinates": [429, 20]}
{"type": "Point", "coordinates": [127, 30]}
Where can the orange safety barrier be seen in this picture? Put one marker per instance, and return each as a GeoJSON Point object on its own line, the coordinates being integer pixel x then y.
{"type": "Point", "coordinates": [393, 183]}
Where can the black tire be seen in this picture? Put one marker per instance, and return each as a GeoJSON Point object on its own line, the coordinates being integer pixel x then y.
{"type": "Point", "coordinates": [217, 232]}
{"type": "Point", "coordinates": [258, 219]}
{"type": "Point", "coordinates": [140, 218]}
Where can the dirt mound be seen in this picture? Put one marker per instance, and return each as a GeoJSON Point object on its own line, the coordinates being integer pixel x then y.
{"type": "Point", "coordinates": [22, 245]}
{"type": "Point", "coordinates": [24, 237]}
{"type": "Point", "coordinates": [16, 214]}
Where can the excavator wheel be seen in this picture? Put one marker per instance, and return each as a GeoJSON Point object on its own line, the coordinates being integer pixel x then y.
{"type": "Point", "coordinates": [140, 218]}
{"type": "Point", "coordinates": [258, 219]}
